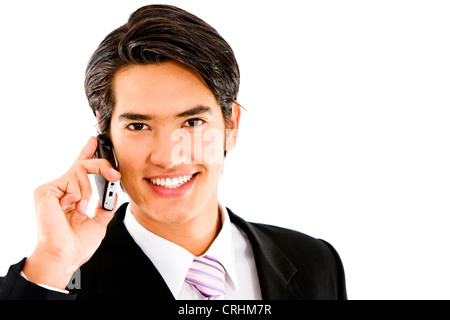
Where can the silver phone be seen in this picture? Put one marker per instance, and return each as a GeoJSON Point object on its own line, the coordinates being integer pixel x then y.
{"type": "Point", "coordinates": [106, 189]}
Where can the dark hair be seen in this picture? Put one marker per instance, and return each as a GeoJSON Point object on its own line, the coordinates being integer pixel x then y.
{"type": "Point", "coordinates": [156, 34]}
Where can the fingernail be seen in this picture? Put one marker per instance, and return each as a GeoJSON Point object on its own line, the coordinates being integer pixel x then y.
{"type": "Point", "coordinates": [65, 207]}
{"type": "Point", "coordinates": [83, 206]}
{"type": "Point", "coordinates": [114, 171]}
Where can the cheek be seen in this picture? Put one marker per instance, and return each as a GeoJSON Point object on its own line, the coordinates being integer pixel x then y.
{"type": "Point", "coordinates": [129, 158]}
{"type": "Point", "coordinates": [212, 154]}
{"type": "Point", "coordinates": [213, 147]}
{"type": "Point", "coordinates": [200, 146]}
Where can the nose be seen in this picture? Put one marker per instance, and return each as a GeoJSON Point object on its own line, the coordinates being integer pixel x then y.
{"type": "Point", "coordinates": [170, 149]}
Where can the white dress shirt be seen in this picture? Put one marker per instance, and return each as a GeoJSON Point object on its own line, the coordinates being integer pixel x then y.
{"type": "Point", "coordinates": [231, 247]}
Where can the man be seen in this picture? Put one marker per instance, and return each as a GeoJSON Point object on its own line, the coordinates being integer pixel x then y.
{"type": "Point", "coordinates": [164, 89]}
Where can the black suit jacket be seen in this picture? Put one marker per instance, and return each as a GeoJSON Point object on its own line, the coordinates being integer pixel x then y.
{"type": "Point", "coordinates": [290, 265]}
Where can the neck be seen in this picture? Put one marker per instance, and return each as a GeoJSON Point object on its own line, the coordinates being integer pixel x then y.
{"type": "Point", "coordinates": [195, 234]}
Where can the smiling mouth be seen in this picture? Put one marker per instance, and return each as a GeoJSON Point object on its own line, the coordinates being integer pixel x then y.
{"type": "Point", "coordinates": [172, 183]}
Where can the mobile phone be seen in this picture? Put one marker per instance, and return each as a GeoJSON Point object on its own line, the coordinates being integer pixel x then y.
{"type": "Point", "coordinates": [106, 189]}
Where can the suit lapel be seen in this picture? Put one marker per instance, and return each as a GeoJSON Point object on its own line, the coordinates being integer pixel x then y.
{"type": "Point", "coordinates": [123, 269]}
{"type": "Point", "coordinates": [275, 270]}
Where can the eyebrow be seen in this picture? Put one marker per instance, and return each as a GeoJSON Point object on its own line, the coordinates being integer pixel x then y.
{"type": "Point", "coordinates": [134, 116]}
{"type": "Point", "coordinates": [145, 117]}
{"type": "Point", "coordinates": [194, 111]}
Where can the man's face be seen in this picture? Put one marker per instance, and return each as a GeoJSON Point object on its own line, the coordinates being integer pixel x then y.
{"type": "Point", "coordinates": [169, 137]}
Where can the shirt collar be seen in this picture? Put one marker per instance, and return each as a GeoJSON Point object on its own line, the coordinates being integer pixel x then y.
{"type": "Point", "coordinates": [222, 248]}
{"type": "Point", "coordinates": [173, 261]}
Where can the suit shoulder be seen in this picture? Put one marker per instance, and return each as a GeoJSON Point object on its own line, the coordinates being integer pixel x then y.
{"type": "Point", "coordinates": [287, 240]}
{"type": "Point", "coordinates": [299, 246]}
{"type": "Point", "coordinates": [288, 236]}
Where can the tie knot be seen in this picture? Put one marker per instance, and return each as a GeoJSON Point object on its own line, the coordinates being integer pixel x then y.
{"type": "Point", "coordinates": [208, 276]}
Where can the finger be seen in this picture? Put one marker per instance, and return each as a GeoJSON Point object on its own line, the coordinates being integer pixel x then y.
{"type": "Point", "coordinates": [48, 213]}
{"type": "Point", "coordinates": [86, 192]}
{"type": "Point", "coordinates": [48, 195]}
{"type": "Point", "coordinates": [75, 186]}
{"type": "Point", "coordinates": [72, 193]}
{"type": "Point", "coordinates": [101, 166]}
{"type": "Point", "coordinates": [103, 216]}
{"type": "Point", "coordinates": [89, 149]}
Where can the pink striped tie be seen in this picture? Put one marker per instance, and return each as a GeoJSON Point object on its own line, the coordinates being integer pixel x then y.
{"type": "Point", "coordinates": [208, 276]}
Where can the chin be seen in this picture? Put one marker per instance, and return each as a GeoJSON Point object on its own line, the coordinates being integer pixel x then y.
{"type": "Point", "coordinates": [172, 216]}
{"type": "Point", "coordinates": [164, 211]}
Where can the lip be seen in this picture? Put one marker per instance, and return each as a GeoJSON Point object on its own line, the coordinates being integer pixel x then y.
{"type": "Point", "coordinates": [164, 192]}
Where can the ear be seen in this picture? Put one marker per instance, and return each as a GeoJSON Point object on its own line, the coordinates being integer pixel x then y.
{"type": "Point", "coordinates": [233, 126]}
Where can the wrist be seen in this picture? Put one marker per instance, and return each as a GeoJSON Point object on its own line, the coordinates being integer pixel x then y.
{"type": "Point", "coordinates": [45, 270]}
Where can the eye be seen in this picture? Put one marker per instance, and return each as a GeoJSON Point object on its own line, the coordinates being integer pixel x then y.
{"type": "Point", "coordinates": [137, 126]}
{"type": "Point", "coordinates": [194, 122]}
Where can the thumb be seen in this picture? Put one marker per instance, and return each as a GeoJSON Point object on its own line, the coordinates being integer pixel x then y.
{"type": "Point", "coordinates": [102, 216]}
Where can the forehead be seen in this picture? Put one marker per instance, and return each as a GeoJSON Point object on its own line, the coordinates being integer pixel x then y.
{"type": "Point", "coordinates": [160, 90]}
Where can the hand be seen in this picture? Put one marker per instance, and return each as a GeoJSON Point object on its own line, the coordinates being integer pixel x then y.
{"type": "Point", "coordinates": [67, 237]}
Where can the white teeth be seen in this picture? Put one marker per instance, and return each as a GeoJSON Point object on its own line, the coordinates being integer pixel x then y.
{"type": "Point", "coordinates": [171, 183]}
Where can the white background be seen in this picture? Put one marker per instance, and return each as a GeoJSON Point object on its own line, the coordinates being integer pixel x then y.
{"type": "Point", "coordinates": [346, 134]}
